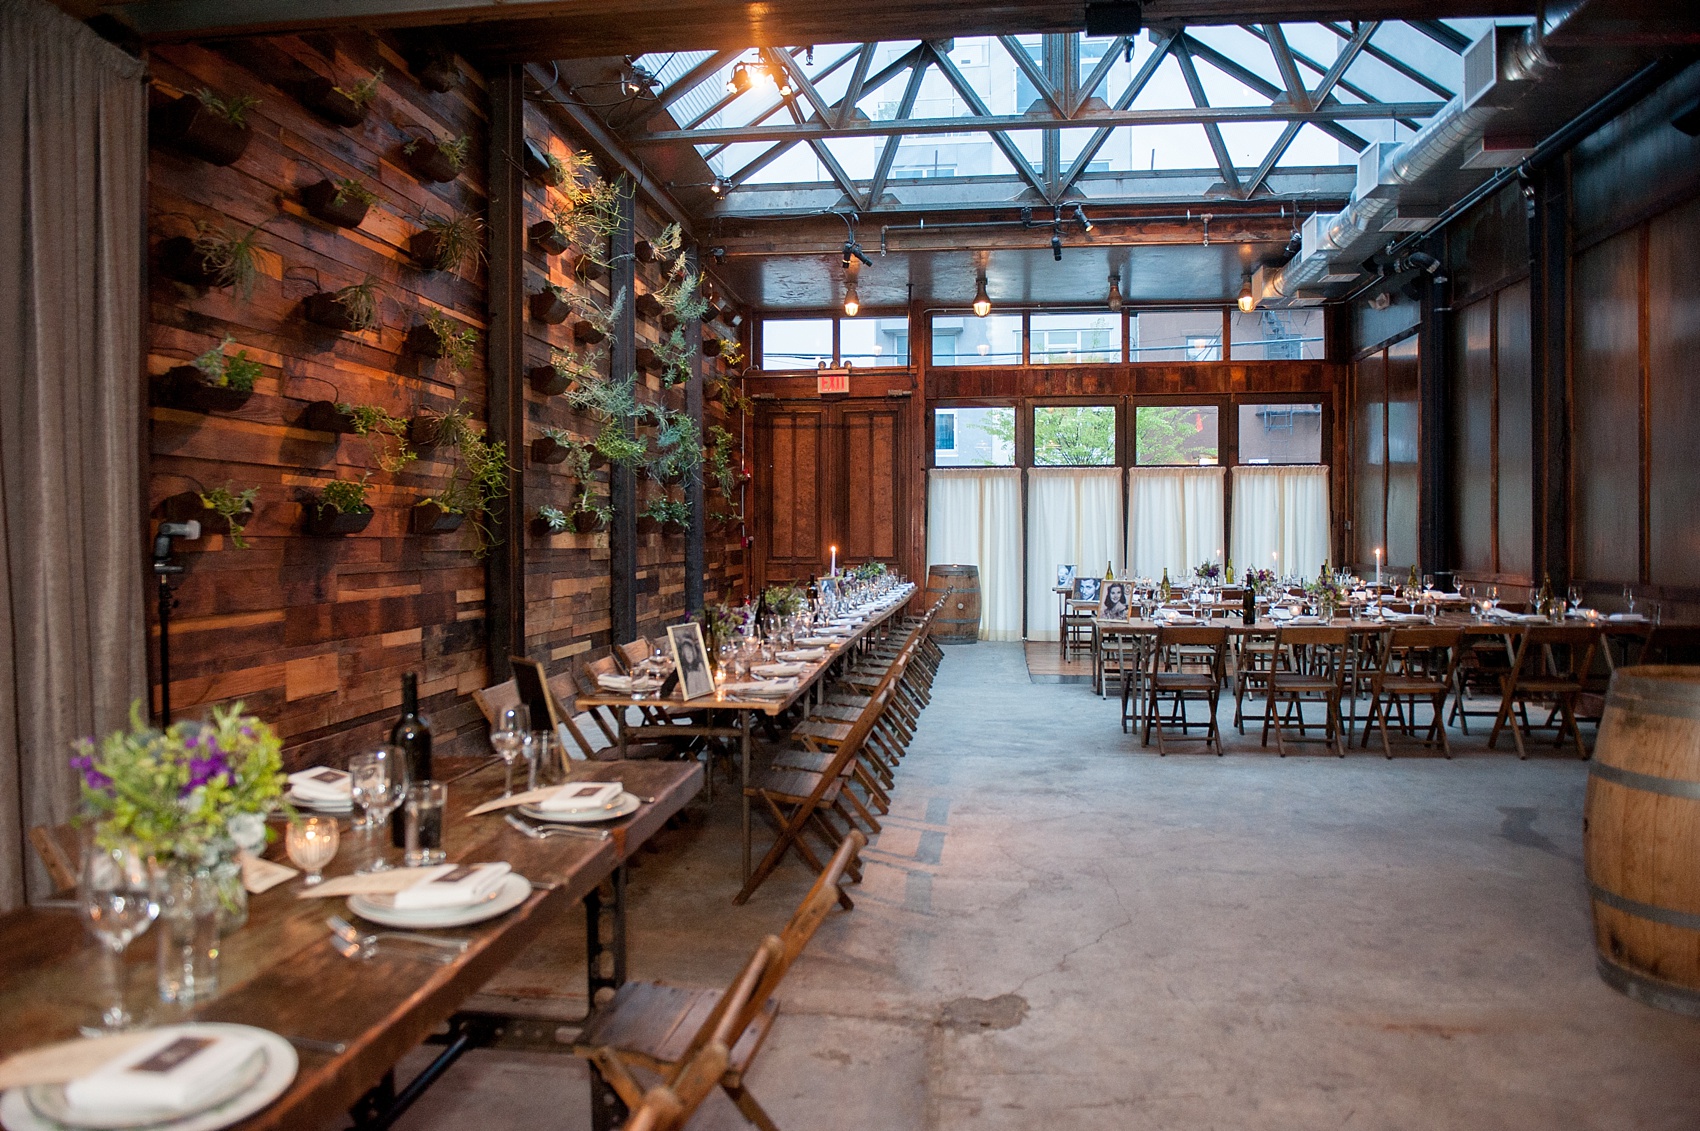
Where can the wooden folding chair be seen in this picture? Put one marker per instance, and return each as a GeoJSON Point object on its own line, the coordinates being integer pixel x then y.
{"type": "Point", "coordinates": [1552, 662]}
{"type": "Point", "coordinates": [1671, 644]}
{"type": "Point", "coordinates": [1254, 659]}
{"type": "Point", "coordinates": [1416, 663]}
{"type": "Point", "coordinates": [1186, 667]}
{"type": "Point", "coordinates": [492, 701]}
{"type": "Point", "coordinates": [644, 1023]}
{"type": "Point", "coordinates": [60, 848]}
{"type": "Point", "coordinates": [1310, 666]}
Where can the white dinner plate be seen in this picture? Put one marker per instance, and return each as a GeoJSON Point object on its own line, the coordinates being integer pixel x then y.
{"type": "Point", "coordinates": [513, 892]}
{"type": "Point", "coordinates": [624, 806]}
{"type": "Point", "coordinates": [778, 671]}
{"type": "Point", "coordinates": [337, 808]}
{"type": "Point", "coordinates": [276, 1072]}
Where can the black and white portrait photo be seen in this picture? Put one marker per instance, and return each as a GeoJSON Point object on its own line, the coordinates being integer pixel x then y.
{"type": "Point", "coordinates": [690, 660]}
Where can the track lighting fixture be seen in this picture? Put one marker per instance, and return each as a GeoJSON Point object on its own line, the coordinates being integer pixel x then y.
{"type": "Point", "coordinates": [1115, 299]}
{"type": "Point", "coordinates": [740, 79]}
{"type": "Point", "coordinates": [720, 186]}
{"type": "Point", "coordinates": [982, 301]}
{"type": "Point", "coordinates": [1080, 218]}
{"type": "Point", "coordinates": [852, 302]}
{"type": "Point", "coordinates": [853, 250]}
{"type": "Point", "coordinates": [1248, 302]}
{"type": "Point", "coordinates": [1056, 244]}
{"type": "Point", "coordinates": [747, 74]}
{"type": "Point", "coordinates": [635, 80]}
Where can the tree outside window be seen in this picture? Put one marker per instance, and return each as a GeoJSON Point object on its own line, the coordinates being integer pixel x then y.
{"type": "Point", "coordinates": [1170, 435]}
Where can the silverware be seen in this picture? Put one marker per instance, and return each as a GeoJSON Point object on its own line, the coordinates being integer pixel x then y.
{"type": "Point", "coordinates": [313, 1044]}
{"type": "Point", "coordinates": [544, 833]}
{"type": "Point", "coordinates": [365, 951]}
{"type": "Point", "coordinates": [348, 931]}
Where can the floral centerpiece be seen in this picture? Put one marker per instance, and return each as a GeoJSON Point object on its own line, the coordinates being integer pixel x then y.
{"type": "Point", "coordinates": [1328, 593]}
{"type": "Point", "coordinates": [868, 571]}
{"type": "Point", "coordinates": [721, 624]}
{"type": "Point", "coordinates": [1259, 580]}
{"type": "Point", "coordinates": [786, 600]}
{"type": "Point", "coordinates": [1209, 573]}
{"type": "Point", "coordinates": [191, 796]}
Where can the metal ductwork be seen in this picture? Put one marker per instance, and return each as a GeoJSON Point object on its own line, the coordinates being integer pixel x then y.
{"type": "Point", "coordinates": [1502, 72]}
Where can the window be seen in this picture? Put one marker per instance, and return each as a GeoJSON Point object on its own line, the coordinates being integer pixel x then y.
{"type": "Point", "coordinates": [797, 343]}
{"type": "Point", "coordinates": [974, 437]}
{"type": "Point", "coordinates": [1276, 335]}
{"type": "Point", "coordinates": [992, 340]}
{"type": "Point", "coordinates": [1069, 339]}
{"type": "Point", "coordinates": [1076, 436]}
{"type": "Point", "coordinates": [1167, 435]}
{"type": "Point", "coordinates": [1280, 433]}
{"type": "Point", "coordinates": [1176, 335]}
{"type": "Point", "coordinates": [869, 343]}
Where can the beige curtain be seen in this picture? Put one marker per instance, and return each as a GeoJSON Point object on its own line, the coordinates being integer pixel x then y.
{"type": "Point", "coordinates": [1281, 518]}
{"type": "Point", "coordinates": [73, 130]}
{"type": "Point", "coordinates": [974, 518]}
{"type": "Point", "coordinates": [1074, 517]}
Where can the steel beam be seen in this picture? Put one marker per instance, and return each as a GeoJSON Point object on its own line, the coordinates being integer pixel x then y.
{"type": "Point", "coordinates": [505, 564]}
{"type": "Point", "coordinates": [622, 480]}
{"type": "Point", "coordinates": [1212, 131]}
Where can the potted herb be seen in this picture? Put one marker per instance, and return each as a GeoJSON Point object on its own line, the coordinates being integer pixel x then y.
{"type": "Point", "coordinates": [207, 125]}
{"type": "Point", "coordinates": [342, 203]}
{"type": "Point", "coordinates": [666, 511]}
{"type": "Point", "coordinates": [442, 337]}
{"type": "Point", "coordinates": [447, 245]}
{"type": "Point", "coordinates": [341, 105]}
{"type": "Point", "coordinates": [212, 257]}
{"type": "Point", "coordinates": [386, 434]}
{"type": "Point", "coordinates": [556, 445]}
{"type": "Point", "coordinates": [219, 511]}
{"type": "Point", "coordinates": [351, 310]}
{"type": "Point", "coordinates": [435, 515]}
{"type": "Point", "coordinates": [431, 61]}
{"type": "Point", "coordinates": [340, 508]}
{"type": "Point", "coordinates": [213, 382]}
{"type": "Point", "coordinates": [552, 520]}
{"type": "Point", "coordinates": [437, 160]}
{"type": "Point", "coordinates": [564, 372]}
{"type": "Point", "coordinates": [433, 428]}
{"type": "Point", "coordinates": [549, 305]}
{"type": "Point", "coordinates": [597, 508]}
{"type": "Point", "coordinates": [616, 446]}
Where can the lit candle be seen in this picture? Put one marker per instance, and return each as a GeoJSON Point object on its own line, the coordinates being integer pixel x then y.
{"type": "Point", "coordinates": [1378, 567]}
{"type": "Point", "coordinates": [834, 572]}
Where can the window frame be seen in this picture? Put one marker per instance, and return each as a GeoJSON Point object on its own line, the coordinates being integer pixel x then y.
{"type": "Point", "coordinates": [758, 337]}
{"type": "Point", "coordinates": [1224, 343]}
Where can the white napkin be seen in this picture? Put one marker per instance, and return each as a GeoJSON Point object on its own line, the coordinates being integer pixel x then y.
{"type": "Point", "coordinates": [173, 1071]}
{"type": "Point", "coordinates": [777, 671]}
{"type": "Point", "coordinates": [581, 797]}
{"type": "Point", "coordinates": [322, 783]}
{"type": "Point", "coordinates": [763, 689]}
{"type": "Point", "coordinates": [1629, 618]}
{"type": "Point", "coordinates": [1167, 617]}
{"type": "Point", "coordinates": [612, 682]}
{"type": "Point", "coordinates": [820, 642]}
{"type": "Point", "coordinates": [804, 655]}
{"type": "Point", "coordinates": [1307, 619]}
{"type": "Point", "coordinates": [466, 884]}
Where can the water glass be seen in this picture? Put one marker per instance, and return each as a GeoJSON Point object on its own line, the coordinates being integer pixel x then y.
{"type": "Point", "coordinates": [311, 843]}
{"type": "Point", "coordinates": [508, 740]}
{"type": "Point", "coordinates": [425, 804]}
{"type": "Point", "coordinates": [188, 932]}
{"type": "Point", "coordinates": [118, 897]}
{"type": "Point", "coordinates": [368, 781]}
{"type": "Point", "coordinates": [1575, 595]}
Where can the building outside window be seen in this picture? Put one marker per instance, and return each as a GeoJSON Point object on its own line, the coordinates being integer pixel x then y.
{"type": "Point", "coordinates": [974, 437]}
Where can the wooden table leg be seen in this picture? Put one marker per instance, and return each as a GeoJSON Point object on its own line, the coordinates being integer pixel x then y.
{"type": "Point", "coordinates": [748, 717]}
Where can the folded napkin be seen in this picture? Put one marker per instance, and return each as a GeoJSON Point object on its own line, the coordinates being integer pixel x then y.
{"type": "Point", "coordinates": [816, 641]}
{"type": "Point", "coordinates": [173, 1071]}
{"type": "Point", "coordinates": [626, 683]}
{"type": "Point", "coordinates": [777, 671]}
{"type": "Point", "coordinates": [582, 797]}
{"type": "Point", "coordinates": [464, 884]}
{"type": "Point", "coordinates": [1627, 618]}
{"type": "Point", "coordinates": [374, 883]}
{"type": "Point", "coordinates": [322, 783]}
{"type": "Point", "coordinates": [526, 797]}
{"type": "Point", "coordinates": [260, 875]}
{"type": "Point", "coordinates": [1169, 617]}
{"type": "Point", "coordinates": [761, 689]}
{"type": "Point", "coordinates": [1400, 618]}
{"type": "Point", "coordinates": [67, 1060]}
{"type": "Point", "coordinates": [804, 655]}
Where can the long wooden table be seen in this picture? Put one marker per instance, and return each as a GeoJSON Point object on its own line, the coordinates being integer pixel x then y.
{"type": "Point", "coordinates": [280, 972]}
{"type": "Point", "coordinates": [746, 709]}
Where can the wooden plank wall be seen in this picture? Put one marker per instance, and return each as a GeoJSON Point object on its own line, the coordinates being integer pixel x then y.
{"type": "Point", "coordinates": [314, 633]}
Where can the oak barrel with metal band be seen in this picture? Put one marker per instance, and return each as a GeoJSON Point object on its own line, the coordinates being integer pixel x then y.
{"type": "Point", "coordinates": [959, 621]}
{"type": "Point", "coordinates": [1641, 835]}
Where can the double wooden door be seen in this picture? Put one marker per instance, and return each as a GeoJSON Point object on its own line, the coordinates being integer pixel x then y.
{"type": "Point", "coordinates": [830, 474]}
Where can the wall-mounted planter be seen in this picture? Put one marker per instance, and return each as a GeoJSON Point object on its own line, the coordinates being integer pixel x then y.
{"type": "Point", "coordinates": [426, 248]}
{"type": "Point", "coordinates": [542, 529]}
{"type": "Point", "coordinates": [323, 309]}
{"type": "Point", "coordinates": [536, 163]}
{"type": "Point", "coordinates": [433, 65]}
{"type": "Point", "coordinates": [186, 506]}
{"type": "Point", "coordinates": [548, 380]}
{"type": "Point", "coordinates": [710, 314]}
{"type": "Point", "coordinates": [426, 517]}
{"type": "Point", "coordinates": [588, 269]}
{"type": "Point", "coordinates": [669, 322]}
{"type": "Point", "coordinates": [711, 347]}
{"type": "Point", "coordinates": [648, 305]}
{"type": "Point", "coordinates": [588, 333]}
{"type": "Point", "coordinates": [326, 520]}
{"type": "Point", "coordinates": [423, 340]}
{"type": "Point", "coordinates": [185, 387]}
{"type": "Point", "coordinates": [188, 125]}
{"type": "Point", "coordinates": [429, 162]}
{"type": "Point", "coordinates": [546, 449]}
{"type": "Point", "coordinates": [325, 416]}
{"type": "Point", "coordinates": [644, 251]}
{"type": "Point", "coordinates": [321, 97]}
{"type": "Point", "coordinates": [321, 203]}
{"type": "Point", "coordinates": [548, 238]}
{"type": "Point", "coordinates": [647, 359]}
{"type": "Point", "coordinates": [549, 308]}
{"type": "Point", "coordinates": [179, 261]}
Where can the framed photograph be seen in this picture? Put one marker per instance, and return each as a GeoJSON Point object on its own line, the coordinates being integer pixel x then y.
{"type": "Point", "coordinates": [690, 660]}
{"type": "Point", "coordinates": [1065, 576]}
{"type": "Point", "coordinates": [1115, 601]}
{"type": "Point", "coordinates": [1087, 588]}
{"type": "Point", "coordinates": [827, 586]}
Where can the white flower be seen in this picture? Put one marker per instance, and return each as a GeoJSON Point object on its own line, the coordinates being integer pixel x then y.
{"type": "Point", "coordinates": [248, 830]}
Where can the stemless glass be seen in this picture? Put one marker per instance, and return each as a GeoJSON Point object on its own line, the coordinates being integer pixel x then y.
{"type": "Point", "coordinates": [118, 896]}
{"type": "Point", "coordinates": [426, 801]}
{"type": "Point", "coordinates": [508, 740]}
{"type": "Point", "coordinates": [312, 843]}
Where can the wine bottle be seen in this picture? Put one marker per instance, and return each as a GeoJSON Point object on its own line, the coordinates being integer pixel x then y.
{"type": "Point", "coordinates": [1228, 572]}
{"type": "Point", "coordinates": [1165, 590]}
{"type": "Point", "coordinates": [411, 739]}
{"type": "Point", "coordinates": [1248, 606]}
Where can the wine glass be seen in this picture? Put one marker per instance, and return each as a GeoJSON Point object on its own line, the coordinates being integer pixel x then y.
{"type": "Point", "coordinates": [1629, 598]}
{"type": "Point", "coordinates": [508, 740]}
{"type": "Point", "coordinates": [118, 896]}
{"type": "Point", "coordinates": [1575, 595]}
{"type": "Point", "coordinates": [384, 791]}
{"type": "Point", "coordinates": [366, 776]}
{"type": "Point", "coordinates": [312, 843]}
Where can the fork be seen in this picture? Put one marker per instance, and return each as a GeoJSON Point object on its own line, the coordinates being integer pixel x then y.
{"type": "Point", "coordinates": [536, 833]}
{"type": "Point", "coordinates": [367, 950]}
{"type": "Point", "coordinates": [348, 931]}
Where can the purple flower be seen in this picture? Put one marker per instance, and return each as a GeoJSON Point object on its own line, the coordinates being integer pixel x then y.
{"type": "Point", "coordinates": [93, 778]}
{"type": "Point", "coordinates": [204, 768]}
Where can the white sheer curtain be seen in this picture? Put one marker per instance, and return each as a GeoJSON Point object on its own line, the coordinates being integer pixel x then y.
{"type": "Point", "coordinates": [1281, 511]}
{"type": "Point", "coordinates": [974, 518]}
{"type": "Point", "coordinates": [1174, 519]}
{"type": "Point", "coordinates": [1074, 517]}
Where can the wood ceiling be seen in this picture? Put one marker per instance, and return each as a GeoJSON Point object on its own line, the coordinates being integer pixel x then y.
{"type": "Point", "coordinates": [538, 30]}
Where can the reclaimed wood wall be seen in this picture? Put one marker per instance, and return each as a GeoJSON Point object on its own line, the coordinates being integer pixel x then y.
{"type": "Point", "coordinates": [313, 633]}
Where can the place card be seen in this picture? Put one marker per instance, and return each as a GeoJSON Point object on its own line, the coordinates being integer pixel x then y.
{"type": "Point", "coordinates": [375, 883]}
{"type": "Point", "coordinates": [528, 797]}
{"type": "Point", "coordinates": [68, 1060]}
{"type": "Point", "coordinates": [260, 875]}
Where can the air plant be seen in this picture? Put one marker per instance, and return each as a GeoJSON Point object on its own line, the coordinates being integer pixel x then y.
{"type": "Point", "coordinates": [233, 109]}
{"type": "Point", "coordinates": [386, 434]}
{"type": "Point", "coordinates": [237, 373]}
{"type": "Point", "coordinates": [678, 444]}
{"type": "Point", "coordinates": [454, 342]}
{"type": "Point", "coordinates": [228, 257]}
{"type": "Point", "coordinates": [555, 520]}
{"type": "Point", "coordinates": [363, 92]}
{"type": "Point", "coordinates": [455, 242]}
{"type": "Point", "coordinates": [664, 509]}
{"type": "Point", "coordinates": [229, 505]}
{"type": "Point", "coordinates": [359, 304]}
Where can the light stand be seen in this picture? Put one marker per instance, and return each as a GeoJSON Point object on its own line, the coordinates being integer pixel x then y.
{"type": "Point", "coordinates": [165, 567]}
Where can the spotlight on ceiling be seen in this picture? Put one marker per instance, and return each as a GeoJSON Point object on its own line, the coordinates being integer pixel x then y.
{"type": "Point", "coordinates": [982, 301]}
{"type": "Point", "coordinates": [1115, 299]}
{"type": "Point", "coordinates": [852, 301]}
{"type": "Point", "coordinates": [1248, 301]}
{"type": "Point", "coordinates": [1056, 244]}
{"type": "Point", "coordinates": [636, 80]}
{"type": "Point", "coordinates": [740, 80]}
{"type": "Point", "coordinates": [720, 186]}
{"type": "Point", "coordinates": [853, 250]}
{"type": "Point", "coordinates": [1080, 218]}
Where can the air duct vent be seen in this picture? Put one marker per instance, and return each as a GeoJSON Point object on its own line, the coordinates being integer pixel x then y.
{"type": "Point", "coordinates": [1485, 81]}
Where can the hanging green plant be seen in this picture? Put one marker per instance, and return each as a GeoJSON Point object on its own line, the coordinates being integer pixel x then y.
{"type": "Point", "coordinates": [232, 108]}
{"type": "Point", "coordinates": [554, 520]}
{"type": "Point", "coordinates": [445, 428]}
{"type": "Point", "coordinates": [363, 92]}
{"type": "Point", "coordinates": [616, 446]}
{"type": "Point", "coordinates": [478, 483]}
{"type": "Point", "coordinates": [565, 370]}
{"type": "Point", "coordinates": [449, 244]}
{"type": "Point", "coordinates": [668, 511]}
{"type": "Point", "coordinates": [597, 218]}
{"type": "Point", "coordinates": [340, 507]}
{"type": "Point", "coordinates": [221, 370]}
{"type": "Point", "coordinates": [599, 508]}
{"type": "Point", "coordinates": [234, 507]}
{"type": "Point", "coordinates": [719, 458]}
{"type": "Point", "coordinates": [568, 172]}
{"type": "Point", "coordinates": [558, 446]}
{"type": "Point", "coordinates": [385, 434]}
{"type": "Point", "coordinates": [342, 105]}
{"type": "Point", "coordinates": [437, 159]}
{"type": "Point", "coordinates": [214, 256]}
{"type": "Point", "coordinates": [730, 393]}
{"type": "Point", "coordinates": [352, 309]}
{"type": "Point", "coordinates": [342, 203]}
{"type": "Point", "coordinates": [444, 337]}
{"type": "Point", "coordinates": [678, 447]}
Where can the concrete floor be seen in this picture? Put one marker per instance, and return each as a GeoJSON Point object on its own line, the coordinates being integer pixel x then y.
{"type": "Point", "coordinates": [1056, 922]}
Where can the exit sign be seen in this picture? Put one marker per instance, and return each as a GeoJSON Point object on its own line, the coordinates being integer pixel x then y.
{"type": "Point", "coordinates": [832, 381]}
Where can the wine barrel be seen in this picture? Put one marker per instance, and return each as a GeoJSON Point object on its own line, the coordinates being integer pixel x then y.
{"type": "Point", "coordinates": [959, 621]}
{"type": "Point", "coordinates": [1641, 836]}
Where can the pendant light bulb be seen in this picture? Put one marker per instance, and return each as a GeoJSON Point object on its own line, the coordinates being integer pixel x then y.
{"type": "Point", "coordinates": [852, 302]}
{"type": "Point", "coordinates": [1115, 299]}
{"type": "Point", "coordinates": [1248, 302]}
{"type": "Point", "coordinates": [982, 301]}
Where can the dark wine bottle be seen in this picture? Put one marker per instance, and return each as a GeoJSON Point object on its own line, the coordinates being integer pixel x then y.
{"type": "Point", "coordinates": [1248, 607]}
{"type": "Point", "coordinates": [410, 738]}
